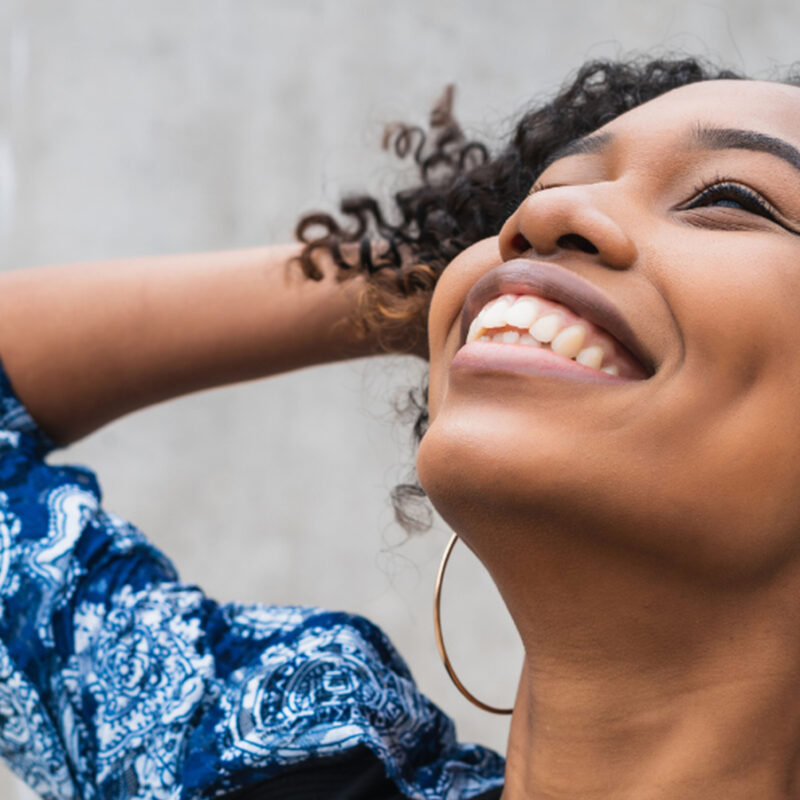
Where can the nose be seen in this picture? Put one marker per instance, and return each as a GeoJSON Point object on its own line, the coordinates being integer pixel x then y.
{"type": "Point", "coordinates": [567, 218]}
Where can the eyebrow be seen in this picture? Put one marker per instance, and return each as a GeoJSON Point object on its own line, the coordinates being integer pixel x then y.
{"type": "Point", "coordinates": [705, 136]}
{"type": "Point", "coordinates": [584, 146]}
{"type": "Point", "coordinates": [737, 139]}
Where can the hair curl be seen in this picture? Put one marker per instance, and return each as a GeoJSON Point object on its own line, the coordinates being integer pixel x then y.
{"type": "Point", "coordinates": [463, 194]}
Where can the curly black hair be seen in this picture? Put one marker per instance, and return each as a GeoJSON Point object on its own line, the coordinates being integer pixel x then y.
{"type": "Point", "coordinates": [463, 194]}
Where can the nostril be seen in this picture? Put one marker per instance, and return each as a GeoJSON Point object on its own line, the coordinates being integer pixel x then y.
{"type": "Point", "coordinates": [520, 244]}
{"type": "Point", "coordinates": [572, 241]}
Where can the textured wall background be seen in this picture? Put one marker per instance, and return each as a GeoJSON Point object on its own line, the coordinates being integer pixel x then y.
{"type": "Point", "coordinates": [129, 128]}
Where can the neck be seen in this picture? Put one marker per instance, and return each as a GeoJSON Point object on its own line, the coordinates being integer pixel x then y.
{"type": "Point", "coordinates": [639, 683]}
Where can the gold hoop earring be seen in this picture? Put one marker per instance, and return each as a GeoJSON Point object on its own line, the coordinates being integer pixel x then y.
{"type": "Point", "coordinates": [437, 626]}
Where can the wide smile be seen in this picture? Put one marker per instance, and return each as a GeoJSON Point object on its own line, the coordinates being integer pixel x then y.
{"type": "Point", "coordinates": [551, 317]}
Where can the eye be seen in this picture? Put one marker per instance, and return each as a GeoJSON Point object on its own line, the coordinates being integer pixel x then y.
{"type": "Point", "coordinates": [540, 187]}
{"type": "Point", "coordinates": [728, 194]}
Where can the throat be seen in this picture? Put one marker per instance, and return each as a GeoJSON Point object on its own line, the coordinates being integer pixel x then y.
{"type": "Point", "coordinates": [691, 736]}
{"type": "Point", "coordinates": [640, 684]}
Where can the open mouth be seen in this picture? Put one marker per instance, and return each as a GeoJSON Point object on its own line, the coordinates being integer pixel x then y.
{"type": "Point", "coordinates": [533, 304]}
{"type": "Point", "coordinates": [529, 321]}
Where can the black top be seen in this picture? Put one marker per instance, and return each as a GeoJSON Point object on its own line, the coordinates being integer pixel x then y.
{"type": "Point", "coordinates": [356, 774]}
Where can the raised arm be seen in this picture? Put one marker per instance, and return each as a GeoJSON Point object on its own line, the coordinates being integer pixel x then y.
{"type": "Point", "coordinates": [86, 343]}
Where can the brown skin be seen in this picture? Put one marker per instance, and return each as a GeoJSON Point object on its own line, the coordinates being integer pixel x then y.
{"type": "Point", "coordinates": [86, 343]}
{"type": "Point", "coordinates": [645, 535]}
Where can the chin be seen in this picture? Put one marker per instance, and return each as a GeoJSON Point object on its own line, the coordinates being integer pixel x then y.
{"type": "Point", "coordinates": [494, 487]}
{"type": "Point", "coordinates": [478, 476]}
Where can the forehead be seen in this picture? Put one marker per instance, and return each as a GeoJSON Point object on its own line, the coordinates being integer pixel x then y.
{"type": "Point", "coordinates": [772, 108]}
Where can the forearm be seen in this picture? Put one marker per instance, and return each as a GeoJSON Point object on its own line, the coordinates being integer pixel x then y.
{"type": "Point", "coordinates": [86, 343]}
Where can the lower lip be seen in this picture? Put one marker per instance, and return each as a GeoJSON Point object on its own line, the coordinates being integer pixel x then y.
{"type": "Point", "coordinates": [526, 359]}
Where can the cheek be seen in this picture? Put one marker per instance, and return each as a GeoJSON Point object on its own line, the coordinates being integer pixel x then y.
{"type": "Point", "coordinates": [444, 317]}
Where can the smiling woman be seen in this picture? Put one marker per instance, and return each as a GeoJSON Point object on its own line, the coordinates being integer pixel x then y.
{"type": "Point", "coordinates": [609, 425]}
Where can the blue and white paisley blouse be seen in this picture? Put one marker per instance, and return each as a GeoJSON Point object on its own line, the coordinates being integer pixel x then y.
{"type": "Point", "coordinates": [119, 682]}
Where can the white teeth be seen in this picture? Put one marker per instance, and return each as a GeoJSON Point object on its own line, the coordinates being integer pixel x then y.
{"type": "Point", "coordinates": [568, 343]}
{"type": "Point", "coordinates": [520, 313]}
{"type": "Point", "coordinates": [591, 356]}
{"type": "Point", "coordinates": [544, 329]}
{"type": "Point", "coordinates": [494, 314]}
{"type": "Point", "coordinates": [523, 313]}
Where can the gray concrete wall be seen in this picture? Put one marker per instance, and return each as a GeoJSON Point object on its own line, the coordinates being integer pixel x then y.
{"type": "Point", "coordinates": [129, 128]}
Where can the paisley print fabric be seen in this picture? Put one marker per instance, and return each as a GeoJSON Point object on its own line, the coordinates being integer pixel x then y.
{"type": "Point", "coordinates": [119, 682]}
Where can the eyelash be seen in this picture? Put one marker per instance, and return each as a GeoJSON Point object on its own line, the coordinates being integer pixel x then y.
{"type": "Point", "coordinates": [540, 187]}
{"type": "Point", "coordinates": [726, 189]}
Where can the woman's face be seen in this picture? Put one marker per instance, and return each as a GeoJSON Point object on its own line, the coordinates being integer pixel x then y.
{"type": "Point", "coordinates": [684, 215]}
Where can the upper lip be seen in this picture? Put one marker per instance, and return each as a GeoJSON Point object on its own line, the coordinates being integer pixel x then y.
{"type": "Point", "coordinates": [552, 282]}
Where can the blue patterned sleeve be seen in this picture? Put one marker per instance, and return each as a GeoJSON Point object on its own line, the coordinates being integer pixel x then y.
{"type": "Point", "coordinates": [117, 682]}
{"type": "Point", "coordinates": [60, 553]}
